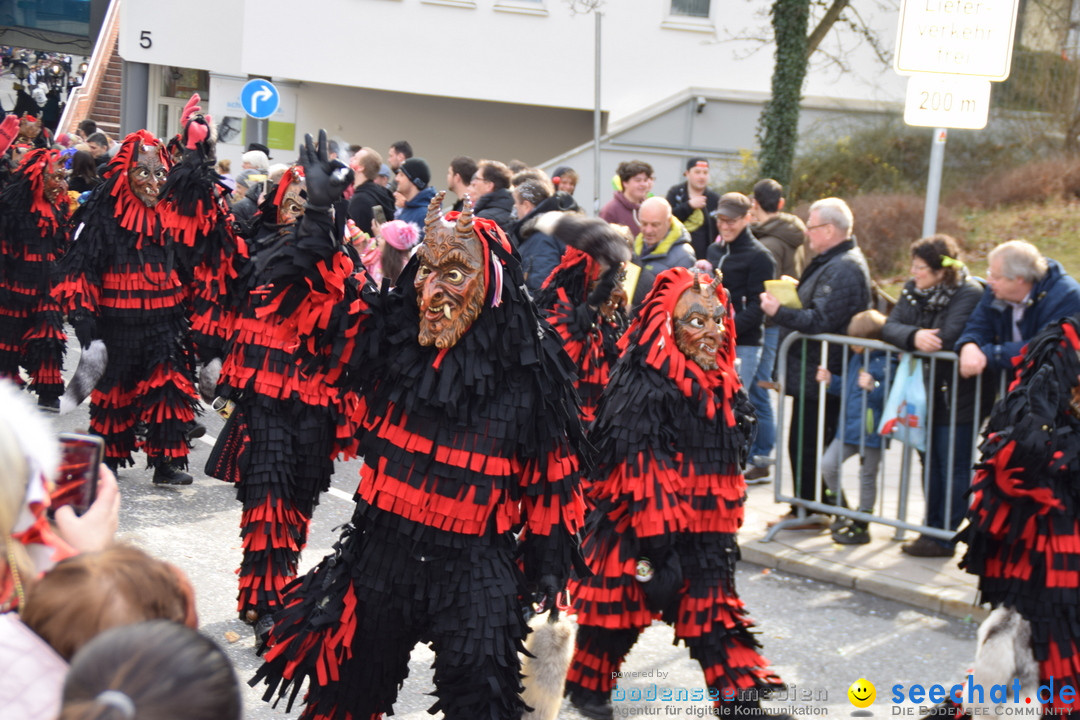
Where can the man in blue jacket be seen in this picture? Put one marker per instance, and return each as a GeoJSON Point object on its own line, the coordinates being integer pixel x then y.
{"type": "Point", "coordinates": [1025, 291]}
{"type": "Point", "coordinates": [412, 178]}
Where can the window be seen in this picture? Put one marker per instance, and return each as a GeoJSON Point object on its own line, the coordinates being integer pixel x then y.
{"type": "Point", "coordinates": [524, 7]}
{"type": "Point", "coordinates": [690, 8]}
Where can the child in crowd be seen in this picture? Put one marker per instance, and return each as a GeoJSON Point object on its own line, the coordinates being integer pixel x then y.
{"type": "Point", "coordinates": [857, 435]}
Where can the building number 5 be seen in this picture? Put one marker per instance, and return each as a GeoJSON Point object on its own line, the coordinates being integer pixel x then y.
{"type": "Point", "coordinates": [144, 39]}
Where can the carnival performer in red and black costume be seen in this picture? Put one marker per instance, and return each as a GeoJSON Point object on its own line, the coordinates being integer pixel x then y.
{"type": "Point", "coordinates": [279, 441]}
{"type": "Point", "coordinates": [469, 435]}
{"type": "Point", "coordinates": [33, 235]}
{"type": "Point", "coordinates": [195, 212]}
{"type": "Point", "coordinates": [1023, 531]}
{"type": "Point", "coordinates": [121, 282]}
{"type": "Point", "coordinates": [671, 434]}
{"type": "Point", "coordinates": [585, 303]}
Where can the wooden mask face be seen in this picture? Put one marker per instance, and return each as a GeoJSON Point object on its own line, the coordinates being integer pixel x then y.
{"type": "Point", "coordinates": [147, 175]}
{"type": "Point", "coordinates": [699, 325]}
{"type": "Point", "coordinates": [450, 285]}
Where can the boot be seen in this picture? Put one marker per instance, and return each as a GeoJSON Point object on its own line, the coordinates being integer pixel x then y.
{"type": "Point", "coordinates": [193, 431]}
{"type": "Point", "coordinates": [168, 474]}
{"type": "Point", "coordinates": [593, 705]}
{"type": "Point", "coordinates": [49, 404]}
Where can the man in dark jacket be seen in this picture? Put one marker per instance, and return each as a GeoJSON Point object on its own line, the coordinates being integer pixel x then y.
{"type": "Point", "coordinates": [412, 179]}
{"type": "Point", "coordinates": [662, 243]}
{"type": "Point", "coordinates": [540, 251]}
{"type": "Point", "coordinates": [745, 265]}
{"type": "Point", "coordinates": [693, 203]}
{"type": "Point", "coordinates": [784, 236]}
{"type": "Point", "coordinates": [490, 187]}
{"type": "Point", "coordinates": [834, 286]}
{"type": "Point", "coordinates": [368, 194]}
{"type": "Point", "coordinates": [1025, 291]}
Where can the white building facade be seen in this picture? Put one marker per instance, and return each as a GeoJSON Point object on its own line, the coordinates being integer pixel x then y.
{"type": "Point", "coordinates": [501, 79]}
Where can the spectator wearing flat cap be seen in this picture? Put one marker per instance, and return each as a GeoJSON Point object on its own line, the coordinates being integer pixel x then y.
{"type": "Point", "coordinates": [692, 202]}
{"type": "Point", "coordinates": [260, 148]}
{"type": "Point", "coordinates": [745, 264]}
{"type": "Point", "coordinates": [413, 192]}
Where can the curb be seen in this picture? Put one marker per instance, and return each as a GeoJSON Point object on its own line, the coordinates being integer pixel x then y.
{"type": "Point", "coordinates": [953, 601]}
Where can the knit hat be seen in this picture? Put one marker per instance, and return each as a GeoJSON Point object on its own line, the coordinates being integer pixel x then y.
{"type": "Point", "coordinates": [400, 235]}
{"type": "Point", "coordinates": [416, 170]}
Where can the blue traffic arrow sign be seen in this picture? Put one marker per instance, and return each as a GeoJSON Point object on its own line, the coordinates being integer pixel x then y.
{"type": "Point", "coordinates": [260, 98]}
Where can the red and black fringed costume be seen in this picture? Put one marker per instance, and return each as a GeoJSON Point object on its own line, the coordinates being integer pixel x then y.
{"type": "Point", "coordinates": [1023, 531]}
{"type": "Point", "coordinates": [33, 235]}
{"type": "Point", "coordinates": [195, 212]}
{"type": "Point", "coordinates": [465, 445]}
{"type": "Point", "coordinates": [121, 282]}
{"type": "Point", "coordinates": [278, 444]}
{"type": "Point", "coordinates": [589, 334]}
{"type": "Point", "coordinates": [670, 438]}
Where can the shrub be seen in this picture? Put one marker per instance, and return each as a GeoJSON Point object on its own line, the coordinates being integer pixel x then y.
{"type": "Point", "coordinates": [1035, 182]}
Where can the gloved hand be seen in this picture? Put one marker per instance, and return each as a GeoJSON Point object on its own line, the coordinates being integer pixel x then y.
{"type": "Point", "coordinates": [662, 590]}
{"type": "Point", "coordinates": [85, 327]}
{"type": "Point", "coordinates": [547, 592]}
{"type": "Point", "coordinates": [9, 130]}
{"type": "Point", "coordinates": [196, 127]}
{"type": "Point", "coordinates": [604, 286]}
{"type": "Point", "coordinates": [326, 179]}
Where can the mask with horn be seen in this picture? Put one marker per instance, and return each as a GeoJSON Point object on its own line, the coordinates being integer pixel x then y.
{"type": "Point", "coordinates": [450, 280]}
{"type": "Point", "coordinates": [699, 323]}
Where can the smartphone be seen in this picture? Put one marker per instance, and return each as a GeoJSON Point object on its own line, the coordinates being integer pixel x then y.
{"type": "Point", "coordinates": [379, 214]}
{"type": "Point", "coordinates": [76, 482]}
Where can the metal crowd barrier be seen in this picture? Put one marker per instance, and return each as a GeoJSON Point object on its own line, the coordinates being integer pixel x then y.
{"type": "Point", "coordinates": [894, 488]}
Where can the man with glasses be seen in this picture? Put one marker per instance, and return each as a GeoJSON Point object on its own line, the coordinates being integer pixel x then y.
{"type": "Point", "coordinates": [490, 191]}
{"type": "Point", "coordinates": [1025, 291]}
{"type": "Point", "coordinates": [834, 287]}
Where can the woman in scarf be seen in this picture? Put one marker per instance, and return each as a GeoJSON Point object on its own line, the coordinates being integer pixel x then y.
{"type": "Point", "coordinates": [929, 316]}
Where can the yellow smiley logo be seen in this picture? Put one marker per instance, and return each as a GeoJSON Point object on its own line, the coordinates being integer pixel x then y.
{"type": "Point", "coordinates": [862, 693]}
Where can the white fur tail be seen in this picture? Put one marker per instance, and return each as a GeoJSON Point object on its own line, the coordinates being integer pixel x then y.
{"type": "Point", "coordinates": [91, 367]}
{"type": "Point", "coordinates": [552, 646]}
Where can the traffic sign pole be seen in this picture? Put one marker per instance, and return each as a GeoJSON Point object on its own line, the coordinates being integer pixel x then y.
{"type": "Point", "coordinates": [952, 49]}
{"type": "Point", "coordinates": [933, 182]}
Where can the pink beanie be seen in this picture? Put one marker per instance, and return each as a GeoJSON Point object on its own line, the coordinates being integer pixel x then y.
{"type": "Point", "coordinates": [400, 234]}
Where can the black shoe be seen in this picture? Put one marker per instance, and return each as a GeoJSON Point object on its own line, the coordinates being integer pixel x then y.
{"type": "Point", "coordinates": [194, 431]}
{"type": "Point", "coordinates": [925, 546]}
{"type": "Point", "coordinates": [113, 465]}
{"type": "Point", "coordinates": [757, 475]}
{"type": "Point", "coordinates": [263, 626]}
{"type": "Point", "coordinates": [50, 405]}
{"type": "Point", "coordinates": [169, 474]}
{"type": "Point", "coordinates": [854, 533]}
{"type": "Point", "coordinates": [593, 705]}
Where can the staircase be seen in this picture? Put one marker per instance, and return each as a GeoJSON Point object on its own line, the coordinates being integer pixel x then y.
{"type": "Point", "coordinates": [105, 105]}
{"type": "Point", "coordinates": [98, 98]}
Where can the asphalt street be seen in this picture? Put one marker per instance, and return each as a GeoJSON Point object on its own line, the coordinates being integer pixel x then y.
{"type": "Point", "coordinates": [820, 638]}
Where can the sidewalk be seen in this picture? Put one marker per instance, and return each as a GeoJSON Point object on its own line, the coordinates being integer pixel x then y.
{"type": "Point", "coordinates": [878, 568]}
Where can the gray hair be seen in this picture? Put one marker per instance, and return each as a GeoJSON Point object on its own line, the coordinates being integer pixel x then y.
{"type": "Point", "coordinates": [1020, 260]}
{"type": "Point", "coordinates": [835, 212]}
{"type": "Point", "coordinates": [257, 159]}
{"type": "Point", "coordinates": [533, 190]}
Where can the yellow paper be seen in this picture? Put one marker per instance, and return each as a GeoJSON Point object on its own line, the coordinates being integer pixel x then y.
{"type": "Point", "coordinates": [633, 272]}
{"type": "Point", "coordinates": [785, 291]}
